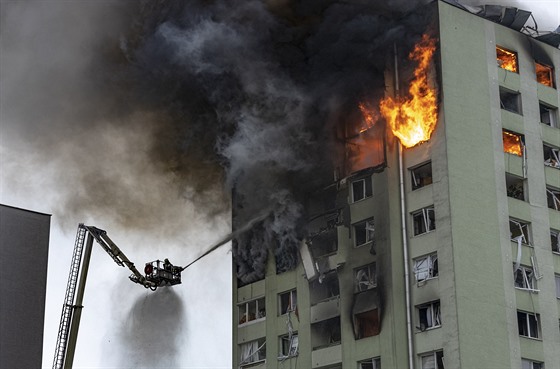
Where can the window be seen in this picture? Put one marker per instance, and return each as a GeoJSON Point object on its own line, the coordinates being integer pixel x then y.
{"type": "Point", "coordinates": [364, 232]}
{"type": "Point", "coordinates": [432, 360]}
{"type": "Point", "coordinates": [252, 310]}
{"type": "Point", "coordinates": [515, 187]}
{"type": "Point", "coordinates": [548, 115]}
{"type": "Point", "coordinates": [325, 243]}
{"type": "Point", "coordinates": [506, 59]}
{"type": "Point", "coordinates": [510, 100]}
{"type": "Point", "coordinates": [361, 189]}
{"type": "Point", "coordinates": [551, 156]}
{"type": "Point", "coordinates": [544, 74]}
{"type": "Point", "coordinates": [524, 278]}
{"type": "Point", "coordinates": [288, 346]}
{"type": "Point", "coordinates": [528, 324]}
{"type": "Point", "coordinates": [325, 333]}
{"type": "Point", "coordinates": [373, 363]}
{"type": "Point", "coordinates": [421, 176]}
{"type": "Point", "coordinates": [252, 352]}
{"type": "Point", "coordinates": [513, 143]}
{"type": "Point", "coordinates": [287, 301]}
{"type": "Point", "coordinates": [530, 364]}
{"type": "Point", "coordinates": [324, 288]}
{"type": "Point", "coordinates": [429, 315]}
{"type": "Point", "coordinates": [365, 278]}
{"type": "Point", "coordinates": [555, 240]}
{"type": "Point", "coordinates": [424, 220]}
{"type": "Point", "coordinates": [426, 267]}
{"type": "Point", "coordinates": [519, 229]}
{"type": "Point", "coordinates": [557, 279]}
{"type": "Point", "coordinates": [553, 198]}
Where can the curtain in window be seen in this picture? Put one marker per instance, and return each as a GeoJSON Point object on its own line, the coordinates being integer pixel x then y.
{"type": "Point", "coordinates": [428, 362]}
{"type": "Point", "coordinates": [248, 352]}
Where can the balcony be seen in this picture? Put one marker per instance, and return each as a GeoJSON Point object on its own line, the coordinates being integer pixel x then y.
{"type": "Point", "coordinates": [326, 309]}
{"type": "Point", "coordinates": [326, 356]}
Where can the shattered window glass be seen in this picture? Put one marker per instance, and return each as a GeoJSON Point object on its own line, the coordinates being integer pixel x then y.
{"type": "Point", "coordinates": [524, 278]}
{"type": "Point", "coordinates": [551, 156]}
{"type": "Point", "coordinates": [289, 345]}
{"type": "Point", "coordinates": [426, 267]}
{"type": "Point", "coordinates": [365, 278]}
{"type": "Point", "coordinates": [506, 59]}
{"type": "Point", "coordinates": [544, 74]}
{"type": "Point", "coordinates": [519, 230]}
{"type": "Point", "coordinates": [429, 315]}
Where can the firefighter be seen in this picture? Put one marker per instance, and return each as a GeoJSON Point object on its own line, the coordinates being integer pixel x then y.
{"type": "Point", "coordinates": [167, 265]}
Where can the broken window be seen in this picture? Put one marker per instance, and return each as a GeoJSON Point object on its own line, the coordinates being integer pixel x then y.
{"type": "Point", "coordinates": [252, 310]}
{"type": "Point", "coordinates": [515, 187]}
{"type": "Point", "coordinates": [421, 176]}
{"type": "Point", "coordinates": [373, 363]}
{"type": "Point", "coordinates": [361, 189]}
{"type": "Point", "coordinates": [548, 115]}
{"type": "Point", "coordinates": [530, 364]}
{"type": "Point", "coordinates": [510, 100]}
{"type": "Point", "coordinates": [366, 315]}
{"type": "Point", "coordinates": [325, 288]}
{"type": "Point", "coordinates": [424, 220]}
{"type": "Point", "coordinates": [433, 360]}
{"type": "Point", "coordinates": [553, 198]}
{"type": "Point", "coordinates": [528, 324]}
{"type": "Point", "coordinates": [524, 278]}
{"type": "Point", "coordinates": [557, 279]}
{"type": "Point", "coordinates": [513, 143]}
{"type": "Point", "coordinates": [544, 74]}
{"type": "Point", "coordinates": [325, 333]}
{"type": "Point", "coordinates": [289, 345]}
{"type": "Point", "coordinates": [324, 243]}
{"type": "Point", "coordinates": [551, 156]}
{"type": "Point", "coordinates": [519, 229]}
{"type": "Point", "coordinates": [252, 352]}
{"type": "Point", "coordinates": [364, 232]}
{"type": "Point", "coordinates": [429, 315]}
{"type": "Point", "coordinates": [506, 59]}
{"type": "Point", "coordinates": [287, 302]}
{"type": "Point", "coordinates": [555, 240]}
{"type": "Point", "coordinates": [426, 267]}
{"type": "Point", "coordinates": [365, 278]}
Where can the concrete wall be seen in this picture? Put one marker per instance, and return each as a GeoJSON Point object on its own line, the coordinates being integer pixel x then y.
{"type": "Point", "coordinates": [24, 244]}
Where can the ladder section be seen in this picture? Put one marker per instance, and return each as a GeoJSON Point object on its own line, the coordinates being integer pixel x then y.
{"type": "Point", "coordinates": [68, 307]}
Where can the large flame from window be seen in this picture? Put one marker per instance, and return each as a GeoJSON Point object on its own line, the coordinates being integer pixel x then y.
{"type": "Point", "coordinates": [413, 118]}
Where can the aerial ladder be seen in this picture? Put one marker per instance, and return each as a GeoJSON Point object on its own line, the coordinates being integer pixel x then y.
{"type": "Point", "coordinates": [156, 273]}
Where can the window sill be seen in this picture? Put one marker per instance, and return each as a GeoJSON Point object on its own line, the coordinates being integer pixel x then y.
{"type": "Point", "coordinates": [247, 365]}
{"type": "Point", "coordinates": [531, 338]}
{"type": "Point", "coordinates": [288, 312]}
{"type": "Point", "coordinates": [527, 289]}
{"type": "Point", "coordinates": [424, 281]}
{"type": "Point", "coordinates": [251, 322]}
{"type": "Point", "coordinates": [556, 252]}
{"type": "Point", "coordinates": [427, 329]}
{"type": "Point", "coordinates": [422, 234]}
{"type": "Point", "coordinates": [360, 200]}
{"type": "Point", "coordinates": [285, 357]}
{"type": "Point", "coordinates": [369, 243]}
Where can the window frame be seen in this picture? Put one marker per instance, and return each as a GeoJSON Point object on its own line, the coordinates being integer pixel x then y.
{"type": "Point", "coordinates": [531, 364]}
{"type": "Point", "coordinates": [533, 332]}
{"type": "Point", "coordinates": [416, 177]}
{"type": "Point", "coordinates": [431, 270]}
{"type": "Point", "coordinates": [529, 280]}
{"type": "Point", "coordinates": [551, 156]}
{"type": "Point", "coordinates": [292, 302]}
{"type": "Point", "coordinates": [429, 225]}
{"type": "Point", "coordinates": [366, 192]}
{"type": "Point", "coordinates": [516, 187]}
{"type": "Point", "coordinates": [373, 363]}
{"type": "Point", "coordinates": [437, 357]}
{"type": "Point", "coordinates": [292, 341]}
{"type": "Point", "coordinates": [261, 344]}
{"type": "Point", "coordinates": [527, 236]}
{"type": "Point", "coordinates": [555, 234]}
{"type": "Point", "coordinates": [521, 139]}
{"type": "Point", "coordinates": [552, 113]}
{"type": "Point", "coordinates": [507, 51]}
{"type": "Point", "coordinates": [369, 229]}
{"type": "Point", "coordinates": [247, 311]}
{"type": "Point", "coordinates": [557, 281]}
{"type": "Point", "coordinates": [433, 315]}
{"type": "Point", "coordinates": [370, 283]}
{"type": "Point", "coordinates": [553, 195]}
{"type": "Point", "coordinates": [510, 100]}
{"type": "Point", "coordinates": [550, 73]}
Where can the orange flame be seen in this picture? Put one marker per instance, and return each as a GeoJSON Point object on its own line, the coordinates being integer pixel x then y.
{"type": "Point", "coordinates": [413, 119]}
{"type": "Point", "coordinates": [369, 115]}
{"type": "Point", "coordinates": [506, 59]}
{"type": "Point", "coordinates": [512, 143]}
{"type": "Point", "coordinates": [544, 74]}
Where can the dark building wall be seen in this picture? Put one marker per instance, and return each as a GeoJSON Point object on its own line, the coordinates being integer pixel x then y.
{"type": "Point", "coordinates": [24, 245]}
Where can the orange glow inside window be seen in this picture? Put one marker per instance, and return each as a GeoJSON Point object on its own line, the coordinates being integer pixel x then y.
{"type": "Point", "coordinates": [513, 144]}
{"type": "Point", "coordinates": [544, 74]}
{"type": "Point", "coordinates": [506, 59]}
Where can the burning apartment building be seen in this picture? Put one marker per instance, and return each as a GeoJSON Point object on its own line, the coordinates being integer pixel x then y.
{"type": "Point", "coordinates": [433, 239]}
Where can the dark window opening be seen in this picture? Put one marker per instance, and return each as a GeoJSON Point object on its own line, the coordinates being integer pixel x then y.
{"type": "Point", "coordinates": [289, 345]}
{"type": "Point", "coordinates": [513, 143]}
{"type": "Point", "coordinates": [424, 220]}
{"type": "Point", "coordinates": [367, 324]}
{"type": "Point", "coordinates": [551, 156]}
{"type": "Point", "coordinates": [524, 278]}
{"type": "Point", "coordinates": [364, 232]}
{"type": "Point", "coordinates": [421, 176]}
{"type": "Point", "coordinates": [324, 288]}
{"type": "Point", "coordinates": [506, 59]}
{"type": "Point", "coordinates": [553, 198]}
{"type": "Point", "coordinates": [515, 187]}
{"type": "Point", "coordinates": [519, 230]}
{"type": "Point", "coordinates": [555, 240]}
{"type": "Point", "coordinates": [528, 324]}
{"type": "Point", "coordinates": [287, 302]}
{"type": "Point", "coordinates": [365, 278]}
{"type": "Point", "coordinates": [361, 189]}
{"type": "Point", "coordinates": [325, 333]}
{"type": "Point", "coordinates": [429, 315]}
{"type": "Point", "coordinates": [510, 101]}
{"type": "Point", "coordinates": [325, 243]}
{"type": "Point", "coordinates": [548, 115]}
{"type": "Point", "coordinates": [544, 74]}
{"type": "Point", "coordinates": [433, 360]}
{"type": "Point", "coordinates": [252, 310]}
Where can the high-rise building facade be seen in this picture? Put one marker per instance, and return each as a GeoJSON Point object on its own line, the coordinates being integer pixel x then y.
{"type": "Point", "coordinates": [460, 271]}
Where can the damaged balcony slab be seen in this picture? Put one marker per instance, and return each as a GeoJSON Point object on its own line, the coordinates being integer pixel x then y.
{"type": "Point", "coordinates": [326, 356]}
{"type": "Point", "coordinates": [325, 309]}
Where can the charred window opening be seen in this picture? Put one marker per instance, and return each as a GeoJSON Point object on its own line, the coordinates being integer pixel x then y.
{"type": "Point", "coordinates": [433, 360]}
{"type": "Point", "coordinates": [555, 240]}
{"type": "Point", "coordinates": [364, 232]}
{"type": "Point", "coordinates": [429, 315]}
{"type": "Point", "coordinates": [426, 267]}
{"type": "Point", "coordinates": [551, 156]}
{"type": "Point", "coordinates": [524, 278]}
{"type": "Point", "coordinates": [544, 74]}
{"type": "Point", "coordinates": [324, 289]}
{"type": "Point", "coordinates": [373, 363]}
{"type": "Point", "coordinates": [553, 198]}
{"type": "Point", "coordinates": [362, 189]}
{"type": "Point", "coordinates": [510, 100]}
{"type": "Point", "coordinates": [365, 278]}
{"type": "Point", "coordinates": [287, 302]}
{"type": "Point", "coordinates": [515, 187]}
{"type": "Point", "coordinates": [252, 352]}
{"type": "Point", "coordinates": [252, 311]}
{"type": "Point", "coordinates": [424, 220]}
{"type": "Point", "coordinates": [506, 59]}
{"type": "Point", "coordinates": [421, 176]}
{"type": "Point", "coordinates": [548, 115]}
{"type": "Point", "coordinates": [367, 324]}
{"type": "Point", "coordinates": [520, 230]}
{"type": "Point", "coordinates": [325, 243]}
{"type": "Point", "coordinates": [288, 346]}
{"type": "Point", "coordinates": [325, 333]}
{"type": "Point", "coordinates": [514, 143]}
{"type": "Point", "coordinates": [528, 324]}
{"type": "Point", "coordinates": [530, 364]}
